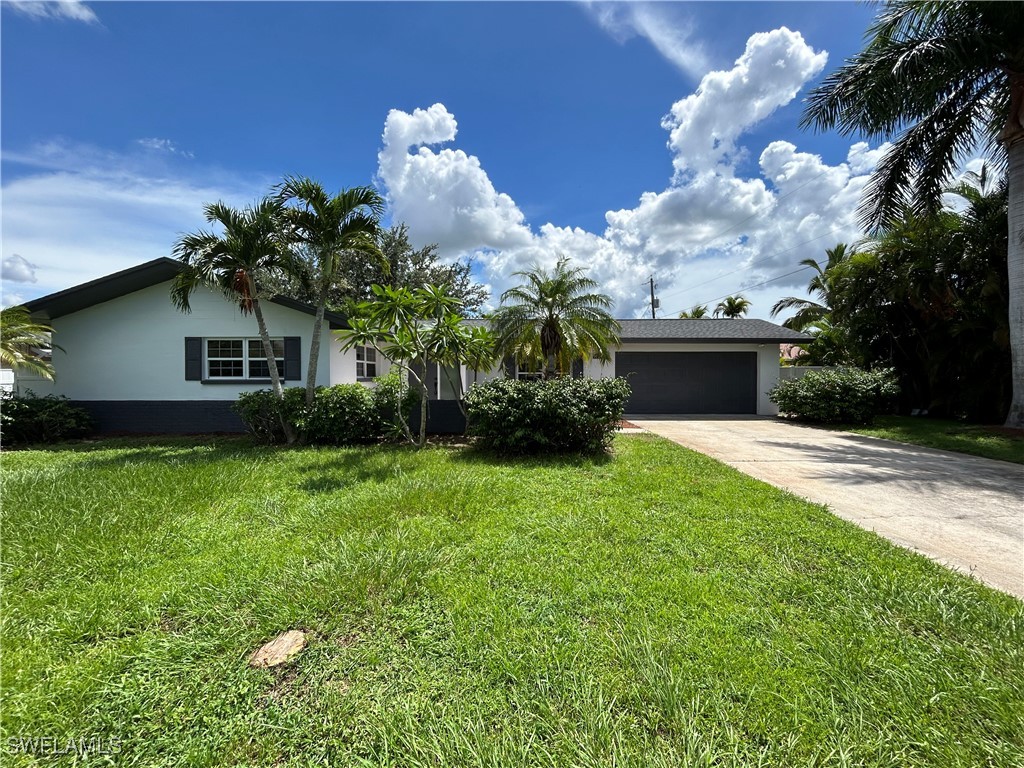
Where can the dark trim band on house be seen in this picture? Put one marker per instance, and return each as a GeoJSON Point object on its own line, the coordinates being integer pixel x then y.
{"type": "Point", "coordinates": [175, 417]}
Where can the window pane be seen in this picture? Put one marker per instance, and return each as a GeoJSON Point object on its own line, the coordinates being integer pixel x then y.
{"type": "Point", "coordinates": [360, 369]}
{"type": "Point", "coordinates": [258, 369]}
{"type": "Point", "coordinates": [371, 354]}
{"type": "Point", "coordinates": [224, 348]}
{"type": "Point", "coordinates": [360, 353]}
{"type": "Point", "coordinates": [226, 368]}
{"type": "Point", "coordinates": [256, 348]}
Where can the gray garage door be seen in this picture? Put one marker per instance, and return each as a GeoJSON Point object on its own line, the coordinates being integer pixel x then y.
{"type": "Point", "coordinates": [690, 382]}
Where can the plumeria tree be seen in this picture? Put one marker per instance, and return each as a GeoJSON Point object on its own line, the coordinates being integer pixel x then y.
{"type": "Point", "coordinates": [415, 328]}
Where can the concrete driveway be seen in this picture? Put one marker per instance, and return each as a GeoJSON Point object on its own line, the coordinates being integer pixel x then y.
{"type": "Point", "coordinates": [965, 512]}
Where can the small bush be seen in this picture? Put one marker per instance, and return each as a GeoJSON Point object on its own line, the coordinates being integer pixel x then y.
{"type": "Point", "coordinates": [341, 415]}
{"type": "Point", "coordinates": [392, 395]}
{"type": "Point", "coordinates": [30, 419]}
{"type": "Point", "coordinates": [261, 411]}
{"type": "Point", "coordinates": [552, 416]}
{"type": "Point", "coordinates": [842, 396]}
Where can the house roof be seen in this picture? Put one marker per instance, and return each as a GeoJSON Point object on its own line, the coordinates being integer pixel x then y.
{"type": "Point", "coordinates": [135, 279]}
{"type": "Point", "coordinates": [708, 329]}
{"type": "Point", "coordinates": [702, 330]}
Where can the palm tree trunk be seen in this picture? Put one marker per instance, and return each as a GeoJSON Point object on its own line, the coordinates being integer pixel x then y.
{"type": "Point", "coordinates": [1015, 270]}
{"type": "Point", "coordinates": [275, 378]}
{"type": "Point", "coordinates": [314, 346]}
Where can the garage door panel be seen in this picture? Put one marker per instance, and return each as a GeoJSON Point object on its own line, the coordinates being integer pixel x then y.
{"type": "Point", "coordinates": [690, 382]}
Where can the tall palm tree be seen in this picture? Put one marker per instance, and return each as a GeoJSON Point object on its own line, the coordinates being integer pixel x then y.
{"type": "Point", "coordinates": [732, 307]}
{"type": "Point", "coordinates": [250, 247]}
{"type": "Point", "coordinates": [333, 229]}
{"type": "Point", "coordinates": [944, 75]}
{"type": "Point", "coordinates": [811, 312]}
{"type": "Point", "coordinates": [23, 342]}
{"type": "Point", "coordinates": [697, 311]}
{"type": "Point", "coordinates": [554, 318]}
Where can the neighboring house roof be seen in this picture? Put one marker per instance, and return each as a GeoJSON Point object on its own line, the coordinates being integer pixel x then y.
{"type": "Point", "coordinates": [703, 330]}
{"type": "Point", "coordinates": [135, 279]}
{"type": "Point", "coordinates": [706, 329]}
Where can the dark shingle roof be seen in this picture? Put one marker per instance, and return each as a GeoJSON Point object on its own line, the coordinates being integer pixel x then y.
{"type": "Point", "coordinates": [707, 329]}
{"type": "Point", "coordinates": [702, 330]}
{"type": "Point", "coordinates": [133, 279]}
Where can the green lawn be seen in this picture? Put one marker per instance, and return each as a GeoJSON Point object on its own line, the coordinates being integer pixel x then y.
{"type": "Point", "coordinates": [652, 609]}
{"type": "Point", "coordinates": [989, 442]}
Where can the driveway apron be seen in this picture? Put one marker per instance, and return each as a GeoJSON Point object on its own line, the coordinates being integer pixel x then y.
{"type": "Point", "coordinates": [963, 511]}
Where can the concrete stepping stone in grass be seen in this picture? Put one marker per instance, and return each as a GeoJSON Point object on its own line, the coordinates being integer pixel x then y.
{"type": "Point", "coordinates": [282, 648]}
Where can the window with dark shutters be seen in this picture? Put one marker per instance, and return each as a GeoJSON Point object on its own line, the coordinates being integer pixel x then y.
{"type": "Point", "coordinates": [214, 360]}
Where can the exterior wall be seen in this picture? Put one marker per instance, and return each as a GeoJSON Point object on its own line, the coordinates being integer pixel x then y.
{"type": "Point", "coordinates": [343, 363]}
{"type": "Point", "coordinates": [767, 364]}
{"type": "Point", "coordinates": [133, 347]}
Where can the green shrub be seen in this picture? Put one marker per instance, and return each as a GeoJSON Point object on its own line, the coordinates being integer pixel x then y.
{"type": "Point", "coordinates": [842, 396]}
{"type": "Point", "coordinates": [261, 411]}
{"type": "Point", "coordinates": [30, 419]}
{"type": "Point", "coordinates": [392, 395]}
{"type": "Point", "coordinates": [341, 415]}
{"type": "Point", "coordinates": [552, 416]}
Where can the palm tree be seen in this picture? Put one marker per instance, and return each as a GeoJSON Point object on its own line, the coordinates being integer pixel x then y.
{"type": "Point", "coordinates": [23, 341]}
{"type": "Point", "coordinates": [251, 247]}
{"type": "Point", "coordinates": [944, 75]}
{"type": "Point", "coordinates": [554, 318]}
{"type": "Point", "coordinates": [811, 312]}
{"type": "Point", "coordinates": [333, 229]}
{"type": "Point", "coordinates": [732, 307]}
{"type": "Point", "coordinates": [698, 310]}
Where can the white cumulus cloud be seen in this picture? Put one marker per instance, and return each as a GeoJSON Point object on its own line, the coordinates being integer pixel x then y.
{"type": "Point", "coordinates": [704, 126]}
{"type": "Point", "coordinates": [710, 230]}
{"type": "Point", "coordinates": [445, 197]}
{"type": "Point", "coordinates": [18, 269]}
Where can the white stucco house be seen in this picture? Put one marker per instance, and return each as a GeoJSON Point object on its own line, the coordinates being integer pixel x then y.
{"type": "Point", "coordinates": [139, 365]}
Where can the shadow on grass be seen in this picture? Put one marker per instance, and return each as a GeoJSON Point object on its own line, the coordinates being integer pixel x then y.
{"type": "Point", "coordinates": [474, 454]}
{"type": "Point", "coordinates": [353, 466]}
{"type": "Point", "coordinates": [152, 449]}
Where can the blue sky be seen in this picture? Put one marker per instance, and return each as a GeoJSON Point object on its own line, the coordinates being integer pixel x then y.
{"type": "Point", "coordinates": [633, 138]}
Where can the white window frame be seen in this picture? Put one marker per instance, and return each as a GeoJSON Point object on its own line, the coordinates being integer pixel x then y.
{"type": "Point", "coordinates": [246, 357]}
{"type": "Point", "coordinates": [524, 374]}
{"type": "Point", "coordinates": [365, 364]}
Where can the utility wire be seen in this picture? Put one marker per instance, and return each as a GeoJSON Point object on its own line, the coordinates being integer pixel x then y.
{"type": "Point", "coordinates": [748, 266]}
{"type": "Point", "coordinates": [745, 288]}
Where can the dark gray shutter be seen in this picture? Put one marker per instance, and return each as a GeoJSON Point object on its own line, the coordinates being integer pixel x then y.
{"type": "Point", "coordinates": [509, 366]}
{"type": "Point", "coordinates": [577, 368]}
{"type": "Point", "coordinates": [193, 358]}
{"type": "Point", "coordinates": [292, 358]}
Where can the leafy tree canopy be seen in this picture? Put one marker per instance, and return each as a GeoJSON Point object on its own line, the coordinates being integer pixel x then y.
{"type": "Point", "coordinates": [401, 266]}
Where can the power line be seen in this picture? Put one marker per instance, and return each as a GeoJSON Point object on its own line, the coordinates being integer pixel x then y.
{"type": "Point", "coordinates": [747, 288]}
{"type": "Point", "coordinates": [751, 264]}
